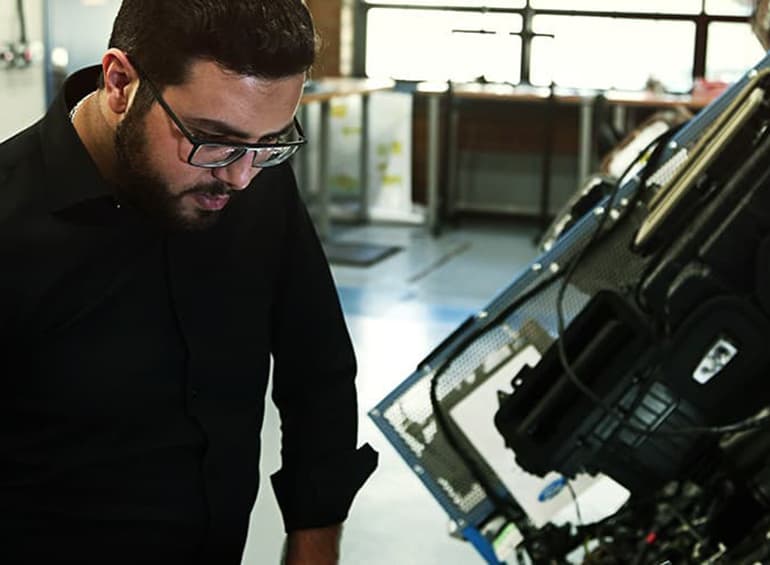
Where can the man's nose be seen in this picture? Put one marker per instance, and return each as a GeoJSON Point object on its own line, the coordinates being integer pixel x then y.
{"type": "Point", "coordinates": [239, 174]}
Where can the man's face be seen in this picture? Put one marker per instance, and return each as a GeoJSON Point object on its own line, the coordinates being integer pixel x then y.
{"type": "Point", "coordinates": [213, 104]}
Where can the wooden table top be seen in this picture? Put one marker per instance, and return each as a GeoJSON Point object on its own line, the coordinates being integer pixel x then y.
{"type": "Point", "coordinates": [325, 89]}
{"type": "Point", "coordinates": [524, 93]}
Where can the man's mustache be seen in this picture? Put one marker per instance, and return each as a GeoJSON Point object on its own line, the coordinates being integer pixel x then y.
{"type": "Point", "coordinates": [212, 189]}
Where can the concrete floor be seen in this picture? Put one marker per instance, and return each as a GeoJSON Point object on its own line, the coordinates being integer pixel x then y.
{"type": "Point", "coordinates": [398, 310]}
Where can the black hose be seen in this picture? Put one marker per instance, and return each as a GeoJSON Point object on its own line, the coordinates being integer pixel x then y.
{"type": "Point", "coordinates": [22, 21]}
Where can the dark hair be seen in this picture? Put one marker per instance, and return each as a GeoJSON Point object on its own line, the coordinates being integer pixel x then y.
{"type": "Point", "coordinates": [262, 38]}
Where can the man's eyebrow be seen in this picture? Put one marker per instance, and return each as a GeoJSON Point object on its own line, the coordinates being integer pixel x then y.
{"type": "Point", "coordinates": [284, 130]}
{"type": "Point", "coordinates": [216, 127]}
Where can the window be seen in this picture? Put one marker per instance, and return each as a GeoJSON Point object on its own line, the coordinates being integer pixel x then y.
{"type": "Point", "coordinates": [642, 6]}
{"type": "Point", "coordinates": [594, 44]}
{"type": "Point", "coordinates": [732, 48]}
{"type": "Point", "coordinates": [480, 4]}
{"type": "Point", "coordinates": [442, 45]}
{"type": "Point", "coordinates": [598, 52]}
{"type": "Point", "coordinates": [730, 7]}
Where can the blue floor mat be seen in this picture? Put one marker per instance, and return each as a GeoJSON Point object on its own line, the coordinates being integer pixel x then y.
{"type": "Point", "coordinates": [357, 254]}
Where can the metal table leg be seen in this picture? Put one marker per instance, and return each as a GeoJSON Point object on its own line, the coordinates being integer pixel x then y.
{"type": "Point", "coordinates": [433, 164]}
{"type": "Point", "coordinates": [324, 200]}
{"type": "Point", "coordinates": [586, 135]}
{"type": "Point", "coordinates": [363, 213]}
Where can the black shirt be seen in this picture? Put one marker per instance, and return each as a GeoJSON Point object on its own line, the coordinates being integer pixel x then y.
{"type": "Point", "coordinates": [135, 363]}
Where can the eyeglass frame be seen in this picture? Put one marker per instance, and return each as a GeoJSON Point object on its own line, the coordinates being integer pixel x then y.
{"type": "Point", "coordinates": [197, 142]}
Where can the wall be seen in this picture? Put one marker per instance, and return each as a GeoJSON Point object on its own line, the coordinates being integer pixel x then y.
{"type": "Point", "coordinates": [22, 91]}
{"type": "Point", "coordinates": [81, 28]}
{"type": "Point", "coordinates": [499, 165]}
{"type": "Point", "coordinates": [501, 150]}
{"type": "Point", "coordinates": [327, 15]}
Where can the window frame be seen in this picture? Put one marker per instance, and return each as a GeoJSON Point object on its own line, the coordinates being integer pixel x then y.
{"type": "Point", "coordinates": [701, 20]}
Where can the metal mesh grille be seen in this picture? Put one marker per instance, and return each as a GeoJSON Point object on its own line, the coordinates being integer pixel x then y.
{"type": "Point", "coordinates": [412, 418]}
{"type": "Point", "coordinates": [411, 415]}
{"type": "Point", "coordinates": [523, 314]}
{"type": "Point", "coordinates": [610, 263]}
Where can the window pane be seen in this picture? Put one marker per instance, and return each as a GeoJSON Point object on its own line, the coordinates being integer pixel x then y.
{"type": "Point", "coordinates": [646, 6]}
{"type": "Point", "coordinates": [589, 52]}
{"type": "Point", "coordinates": [451, 3]}
{"type": "Point", "coordinates": [432, 46]}
{"type": "Point", "coordinates": [730, 7]}
{"type": "Point", "coordinates": [732, 49]}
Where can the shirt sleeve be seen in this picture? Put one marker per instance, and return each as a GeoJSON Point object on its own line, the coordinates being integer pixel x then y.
{"type": "Point", "coordinates": [313, 385]}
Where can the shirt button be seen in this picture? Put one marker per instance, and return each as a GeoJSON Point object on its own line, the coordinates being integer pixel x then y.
{"type": "Point", "coordinates": [194, 393]}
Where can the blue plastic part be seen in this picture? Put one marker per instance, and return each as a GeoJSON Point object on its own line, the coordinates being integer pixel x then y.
{"type": "Point", "coordinates": [552, 489]}
{"type": "Point", "coordinates": [482, 545]}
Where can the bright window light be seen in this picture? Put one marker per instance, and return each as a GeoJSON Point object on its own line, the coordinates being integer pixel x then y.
{"type": "Point", "coordinates": [436, 45]}
{"type": "Point", "coordinates": [732, 49]}
{"type": "Point", "coordinates": [603, 53]}
{"type": "Point", "coordinates": [730, 7]}
{"type": "Point", "coordinates": [644, 6]}
{"type": "Point", "coordinates": [458, 3]}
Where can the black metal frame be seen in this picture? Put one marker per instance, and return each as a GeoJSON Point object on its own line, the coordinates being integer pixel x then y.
{"type": "Point", "coordinates": [527, 12]}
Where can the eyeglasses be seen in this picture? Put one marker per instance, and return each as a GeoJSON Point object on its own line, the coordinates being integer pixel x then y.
{"type": "Point", "coordinates": [213, 154]}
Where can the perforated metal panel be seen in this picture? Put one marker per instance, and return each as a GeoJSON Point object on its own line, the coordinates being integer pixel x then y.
{"type": "Point", "coordinates": [524, 314]}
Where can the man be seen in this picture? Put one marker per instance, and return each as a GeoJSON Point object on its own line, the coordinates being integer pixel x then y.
{"type": "Point", "coordinates": [156, 256]}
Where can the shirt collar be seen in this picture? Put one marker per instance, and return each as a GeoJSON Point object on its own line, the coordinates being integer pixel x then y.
{"type": "Point", "coordinates": [74, 176]}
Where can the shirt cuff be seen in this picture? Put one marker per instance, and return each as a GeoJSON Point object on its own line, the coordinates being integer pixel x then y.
{"type": "Point", "coordinates": [320, 495]}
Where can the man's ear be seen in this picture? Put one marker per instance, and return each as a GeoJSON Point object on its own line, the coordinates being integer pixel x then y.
{"type": "Point", "coordinates": [121, 80]}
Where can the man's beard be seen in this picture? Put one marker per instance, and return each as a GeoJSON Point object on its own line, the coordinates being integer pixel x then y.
{"type": "Point", "coordinates": [144, 189]}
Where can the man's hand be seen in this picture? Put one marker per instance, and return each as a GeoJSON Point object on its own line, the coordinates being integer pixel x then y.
{"type": "Point", "coordinates": [319, 546]}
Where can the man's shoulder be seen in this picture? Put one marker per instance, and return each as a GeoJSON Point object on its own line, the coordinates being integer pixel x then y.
{"type": "Point", "coordinates": [17, 151]}
{"type": "Point", "coordinates": [20, 147]}
{"type": "Point", "coordinates": [21, 164]}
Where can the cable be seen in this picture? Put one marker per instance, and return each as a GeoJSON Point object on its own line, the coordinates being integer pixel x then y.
{"type": "Point", "coordinates": [575, 501]}
{"type": "Point", "coordinates": [752, 422]}
{"type": "Point", "coordinates": [560, 297]}
{"type": "Point", "coordinates": [580, 522]}
{"type": "Point", "coordinates": [22, 21]}
{"type": "Point", "coordinates": [508, 506]}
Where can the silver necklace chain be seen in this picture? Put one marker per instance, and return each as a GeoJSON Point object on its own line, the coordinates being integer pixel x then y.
{"type": "Point", "coordinates": [79, 104]}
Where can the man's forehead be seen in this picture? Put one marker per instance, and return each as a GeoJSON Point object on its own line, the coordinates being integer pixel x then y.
{"type": "Point", "coordinates": [202, 70]}
{"type": "Point", "coordinates": [211, 84]}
